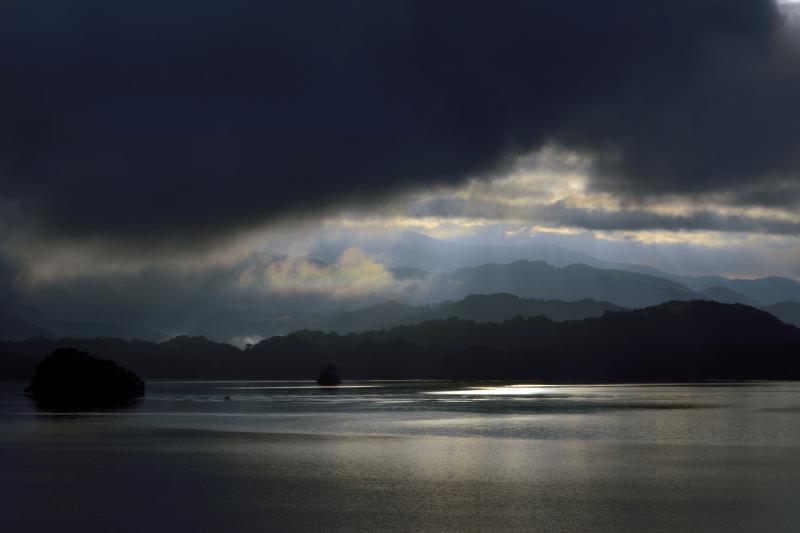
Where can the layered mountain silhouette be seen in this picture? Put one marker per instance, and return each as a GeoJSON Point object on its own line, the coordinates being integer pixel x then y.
{"type": "Point", "coordinates": [503, 306]}
{"type": "Point", "coordinates": [436, 255]}
{"type": "Point", "coordinates": [727, 296]}
{"type": "Point", "coordinates": [537, 279]}
{"type": "Point", "coordinates": [525, 288]}
{"type": "Point", "coordinates": [765, 291]}
{"type": "Point", "coordinates": [19, 323]}
{"type": "Point", "coordinates": [416, 251]}
{"type": "Point", "coordinates": [789, 312]}
{"type": "Point", "coordinates": [680, 340]}
{"type": "Point", "coordinates": [573, 278]}
{"type": "Point", "coordinates": [13, 328]}
{"type": "Point", "coordinates": [424, 253]}
{"type": "Point", "coordinates": [238, 326]}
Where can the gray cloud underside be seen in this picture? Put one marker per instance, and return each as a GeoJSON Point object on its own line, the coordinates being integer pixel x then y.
{"type": "Point", "coordinates": [144, 120]}
{"type": "Point", "coordinates": [559, 213]}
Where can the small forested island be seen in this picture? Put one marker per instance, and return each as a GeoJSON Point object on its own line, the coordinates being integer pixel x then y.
{"type": "Point", "coordinates": [329, 376]}
{"type": "Point", "coordinates": [69, 379]}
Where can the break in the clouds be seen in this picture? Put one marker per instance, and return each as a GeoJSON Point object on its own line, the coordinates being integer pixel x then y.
{"type": "Point", "coordinates": [553, 189]}
{"type": "Point", "coordinates": [179, 122]}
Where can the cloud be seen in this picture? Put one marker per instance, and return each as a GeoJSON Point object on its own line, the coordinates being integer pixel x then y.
{"type": "Point", "coordinates": [243, 341]}
{"type": "Point", "coordinates": [354, 274]}
{"type": "Point", "coordinates": [175, 298]}
{"type": "Point", "coordinates": [186, 122]}
{"type": "Point", "coordinates": [540, 192]}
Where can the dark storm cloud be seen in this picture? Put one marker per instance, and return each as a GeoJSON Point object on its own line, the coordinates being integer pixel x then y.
{"type": "Point", "coordinates": [176, 119]}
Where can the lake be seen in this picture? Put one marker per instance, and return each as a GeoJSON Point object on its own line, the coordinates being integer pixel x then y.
{"type": "Point", "coordinates": [408, 456]}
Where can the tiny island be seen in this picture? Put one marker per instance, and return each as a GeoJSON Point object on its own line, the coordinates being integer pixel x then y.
{"type": "Point", "coordinates": [329, 376]}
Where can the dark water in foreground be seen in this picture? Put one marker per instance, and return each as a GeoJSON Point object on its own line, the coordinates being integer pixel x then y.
{"type": "Point", "coordinates": [408, 456]}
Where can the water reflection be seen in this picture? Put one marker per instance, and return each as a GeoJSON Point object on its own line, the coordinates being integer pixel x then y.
{"type": "Point", "coordinates": [508, 390]}
{"type": "Point", "coordinates": [430, 456]}
{"type": "Point", "coordinates": [292, 387]}
{"type": "Point", "coordinates": [752, 413]}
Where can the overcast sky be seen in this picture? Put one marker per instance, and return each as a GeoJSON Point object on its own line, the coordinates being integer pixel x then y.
{"type": "Point", "coordinates": [145, 143]}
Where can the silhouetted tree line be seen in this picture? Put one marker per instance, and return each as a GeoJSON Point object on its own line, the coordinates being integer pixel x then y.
{"type": "Point", "coordinates": [672, 341]}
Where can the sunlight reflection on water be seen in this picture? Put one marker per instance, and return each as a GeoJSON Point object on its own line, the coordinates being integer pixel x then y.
{"type": "Point", "coordinates": [508, 390]}
{"type": "Point", "coordinates": [320, 387]}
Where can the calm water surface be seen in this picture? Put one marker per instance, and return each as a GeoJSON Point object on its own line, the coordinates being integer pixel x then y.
{"type": "Point", "coordinates": [431, 456]}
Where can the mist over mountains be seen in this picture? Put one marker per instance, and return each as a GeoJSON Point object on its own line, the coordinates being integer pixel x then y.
{"type": "Point", "coordinates": [435, 255]}
{"type": "Point", "coordinates": [488, 283]}
{"type": "Point", "coordinates": [557, 278]}
{"type": "Point", "coordinates": [414, 250]}
{"type": "Point", "coordinates": [240, 328]}
{"type": "Point", "coordinates": [525, 318]}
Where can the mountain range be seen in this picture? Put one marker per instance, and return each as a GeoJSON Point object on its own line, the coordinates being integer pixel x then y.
{"type": "Point", "coordinates": [19, 323]}
{"type": "Point", "coordinates": [675, 341]}
{"type": "Point", "coordinates": [789, 312]}
{"type": "Point", "coordinates": [526, 280]}
{"type": "Point", "coordinates": [425, 253]}
{"type": "Point", "coordinates": [522, 287]}
{"type": "Point", "coordinates": [240, 328]}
